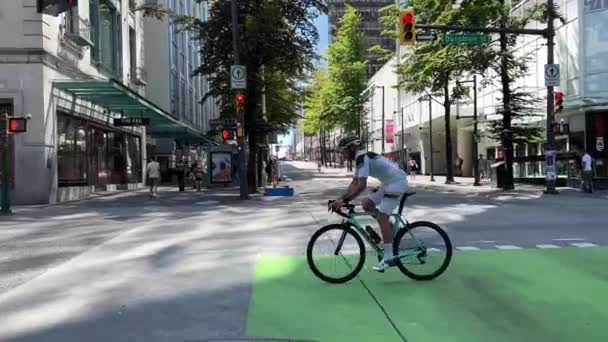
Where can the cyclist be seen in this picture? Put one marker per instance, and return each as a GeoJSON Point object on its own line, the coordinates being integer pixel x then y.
{"type": "Point", "coordinates": [382, 200]}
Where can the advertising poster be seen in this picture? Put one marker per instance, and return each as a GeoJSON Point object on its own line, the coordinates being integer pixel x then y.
{"type": "Point", "coordinates": [389, 131]}
{"type": "Point", "coordinates": [221, 167]}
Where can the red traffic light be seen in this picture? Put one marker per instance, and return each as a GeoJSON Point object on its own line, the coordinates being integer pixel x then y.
{"type": "Point", "coordinates": [17, 125]}
{"type": "Point", "coordinates": [559, 95]}
{"type": "Point", "coordinates": [227, 134]}
{"type": "Point", "coordinates": [240, 98]}
{"type": "Point", "coordinates": [408, 18]}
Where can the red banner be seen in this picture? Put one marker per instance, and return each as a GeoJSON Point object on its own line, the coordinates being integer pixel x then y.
{"type": "Point", "coordinates": [389, 131]}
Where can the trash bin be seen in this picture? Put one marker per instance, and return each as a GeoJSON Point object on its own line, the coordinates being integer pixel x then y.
{"type": "Point", "coordinates": [499, 172]}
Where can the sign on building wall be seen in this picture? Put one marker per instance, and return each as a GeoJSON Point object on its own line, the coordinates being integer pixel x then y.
{"type": "Point", "coordinates": [389, 131]}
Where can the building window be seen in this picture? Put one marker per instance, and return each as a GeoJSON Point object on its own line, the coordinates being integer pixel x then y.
{"type": "Point", "coordinates": [105, 21]}
{"type": "Point", "coordinates": [133, 53]}
{"type": "Point", "coordinates": [133, 159]}
{"type": "Point", "coordinates": [71, 150]}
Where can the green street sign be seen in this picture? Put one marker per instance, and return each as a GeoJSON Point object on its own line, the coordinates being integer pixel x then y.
{"type": "Point", "coordinates": [466, 39]}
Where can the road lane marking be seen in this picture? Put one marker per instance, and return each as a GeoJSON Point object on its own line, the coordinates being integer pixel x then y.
{"type": "Point", "coordinates": [547, 246]}
{"type": "Point", "coordinates": [508, 247]}
{"type": "Point", "coordinates": [583, 244]}
{"type": "Point", "coordinates": [467, 248]}
{"type": "Point", "coordinates": [570, 239]}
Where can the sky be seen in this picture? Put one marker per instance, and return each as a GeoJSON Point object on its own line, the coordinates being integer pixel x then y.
{"type": "Point", "coordinates": [321, 22]}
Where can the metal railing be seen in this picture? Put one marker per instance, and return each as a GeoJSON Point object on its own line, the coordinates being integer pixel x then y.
{"type": "Point", "coordinates": [77, 29]}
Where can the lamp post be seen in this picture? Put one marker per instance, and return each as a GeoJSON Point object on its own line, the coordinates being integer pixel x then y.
{"type": "Point", "coordinates": [382, 117]}
{"type": "Point", "coordinates": [428, 98]}
{"type": "Point", "coordinates": [475, 132]}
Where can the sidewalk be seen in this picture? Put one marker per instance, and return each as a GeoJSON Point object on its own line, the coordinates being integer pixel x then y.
{"type": "Point", "coordinates": [465, 185]}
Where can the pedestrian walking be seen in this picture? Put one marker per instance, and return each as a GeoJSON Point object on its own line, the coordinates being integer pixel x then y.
{"type": "Point", "coordinates": [153, 170]}
{"type": "Point", "coordinates": [482, 167]}
{"type": "Point", "coordinates": [268, 170]}
{"type": "Point", "coordinates": [198, 177]}
{"type": "Point", "coordinates": [413, 168]}
{"type": "Point", "coordinates": [459, 163]}
{"type": "Point", "coordinates": [587, 162]}
{"type": "Point", "coordinates": [180, 171]}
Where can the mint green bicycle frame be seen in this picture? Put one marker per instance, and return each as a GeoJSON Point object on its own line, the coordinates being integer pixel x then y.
{"type": "Point", "coordinates": [350, 219]}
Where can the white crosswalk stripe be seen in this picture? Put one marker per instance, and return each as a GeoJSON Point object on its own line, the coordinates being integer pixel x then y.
{"type": "Point", "coordinates": [467, 248]}
{"type": "Point", "coordinates": [547, 246]}
{"type": "Point", "coordinates": [583, 244]}
{"type": "Point", "coordinates": [508, 247]}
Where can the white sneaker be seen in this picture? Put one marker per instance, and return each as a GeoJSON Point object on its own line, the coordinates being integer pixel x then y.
{"type": "Point", "coordinates": [384, 264]}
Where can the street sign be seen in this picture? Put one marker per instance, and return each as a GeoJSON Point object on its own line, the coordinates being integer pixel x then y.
{"type": "Point", "coordinates": [551, 75]}
{"type": "Point", "coordinates": [132, 122]}
{"type": "Point", "coordinates": [225, 122]}
{"type": "Point", "coordinates": [476, 39]}
{"type": "Point", "coordinates": [238, 77]}
{"type": "Point", "coordinates": [421, 37]}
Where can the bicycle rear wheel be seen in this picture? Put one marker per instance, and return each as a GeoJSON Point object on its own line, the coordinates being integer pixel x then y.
{"type": "Point", "coordinates": [335, 253]}
{"type": "Point", "coordinates": [425, 250]}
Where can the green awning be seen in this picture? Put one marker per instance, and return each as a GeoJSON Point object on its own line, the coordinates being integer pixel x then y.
{"type": "Point", "coordinates": [119, 98]}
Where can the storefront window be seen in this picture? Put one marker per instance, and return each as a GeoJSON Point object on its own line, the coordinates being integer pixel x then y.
{"type": "Point", "coordinates": [133, 159]}
{"type": "Point", "coordinates": [71, 150]}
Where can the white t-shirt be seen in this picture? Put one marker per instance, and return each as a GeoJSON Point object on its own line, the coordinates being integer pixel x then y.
{"type": "Point", "coordinates": [153, 169]}
{"type": "Point", "coordinates": [587, 162]}
{"type": "Point", "coordinates": [374, 165]}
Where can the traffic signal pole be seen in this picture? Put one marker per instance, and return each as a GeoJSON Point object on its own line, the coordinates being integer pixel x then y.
{"type": "Point", "coordinates": [244, 194]}
{"type": "Point", "coordinates": [6, 197]}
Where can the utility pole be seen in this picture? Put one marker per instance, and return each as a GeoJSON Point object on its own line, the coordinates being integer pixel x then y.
{"type": "Point", "coordinates": [383, 137]}
{"type": "Point", "coordinates": [431, 135]}
{"type": "Point", "coordinates": [244, 194]}
{"type": "Point", "coordinates": [550, 153]}
{"type": "Point", "coordinates": [475, 129]}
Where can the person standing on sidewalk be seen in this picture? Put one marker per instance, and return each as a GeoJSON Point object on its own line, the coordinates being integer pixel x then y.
{"type": "Point", "coordinates": [413, 168]}
{"type": "Point", "coordinates": [180, 171]}
{"type": "Point", "coordinates": [587, 162]}
{"type": "Point", "coordinates": [153, 170]}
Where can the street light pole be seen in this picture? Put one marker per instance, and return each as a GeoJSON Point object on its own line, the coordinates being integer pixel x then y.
{"type": "Point", "coordinates": [550, 147]}
{"type": "Point", "coordinates": [475, 134]}
{"type": "Point", "coordinates": [383, 137]}
{"type": "Point", "coordinates": [244, 194]}
{"type": "Point", "coordinates": [431, 135]}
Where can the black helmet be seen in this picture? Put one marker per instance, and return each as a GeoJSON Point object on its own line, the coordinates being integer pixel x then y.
{"type": "Point", "coordinates": [349, 141]}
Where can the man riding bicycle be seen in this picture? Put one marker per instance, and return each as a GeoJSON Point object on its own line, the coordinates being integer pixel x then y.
{"type": "Point", "coordinates": [382, 200]}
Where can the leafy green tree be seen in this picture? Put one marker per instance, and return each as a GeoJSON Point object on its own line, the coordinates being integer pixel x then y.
{"type": "Point", "coordinates": [278, 37]}
{"type": "Point", "coordinates": [347, 57]}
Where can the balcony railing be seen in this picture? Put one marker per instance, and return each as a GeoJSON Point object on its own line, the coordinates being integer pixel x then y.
{"type": "Point", "coordinates": [139, 76]}
{"type": "Point", "coordinates": [77, 29]}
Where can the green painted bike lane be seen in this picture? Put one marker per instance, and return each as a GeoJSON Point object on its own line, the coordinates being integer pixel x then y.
{"type": "Point", "coordinates": [520, 295]}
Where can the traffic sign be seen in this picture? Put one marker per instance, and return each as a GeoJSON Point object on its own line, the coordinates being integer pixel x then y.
{"type": "Point", "coordinates": [476, 39]}
{"type": "Point", "coordinates": [238, 77]}
{"type": "Point", "coordinates": [136, 121]}
{"type": "Point", "coordinates": [551, 75]}
{"type": "Point", "coordinates": [426, 37]}
{"type": "Point", "coordinates": [225, 122]}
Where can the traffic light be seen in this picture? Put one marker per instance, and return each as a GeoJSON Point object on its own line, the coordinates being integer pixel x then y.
{"type": "Point", "coordinates": [17, 125]}
{"type": "Point", "coordinates": [239, 99]}
{"type": "Point", "coordinates": [407, 27]}
{"type": "Point", "coordinates": [228, 134]}
{"type": "Point", "coordinates": [559, 102]}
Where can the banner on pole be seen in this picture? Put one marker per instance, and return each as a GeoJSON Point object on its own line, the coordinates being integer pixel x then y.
{"type": "Point", "coordinates": [389, 131]}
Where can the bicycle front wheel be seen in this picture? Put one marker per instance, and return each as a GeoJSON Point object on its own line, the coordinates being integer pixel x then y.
{"type": "Point", "coordinates": [424, 250]}
{"type": "Point", "coordinates": [335, 253]}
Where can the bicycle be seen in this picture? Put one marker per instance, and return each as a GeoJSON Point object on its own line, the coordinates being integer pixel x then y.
{"type": "Point", "coordinates": [403, 231]}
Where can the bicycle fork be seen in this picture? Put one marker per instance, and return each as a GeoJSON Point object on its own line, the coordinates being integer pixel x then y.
{"type": "Point", "coordinates": [340, 243]}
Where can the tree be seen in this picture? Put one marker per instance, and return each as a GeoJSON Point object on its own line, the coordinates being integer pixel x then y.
{"type": "Point", "coordinates": [431, 67]}
{"type": "Point", "coordinates": [278, 37]}
{"type": "Point", "coordinates": [347, 73]}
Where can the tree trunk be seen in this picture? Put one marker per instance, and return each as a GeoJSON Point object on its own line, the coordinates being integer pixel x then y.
{"type": "Point", "coordinates": [260, 167]}
{"type": "Point", "coordinates": [507, 134]}
{"type": "Point", "coordinates": [448, 135]}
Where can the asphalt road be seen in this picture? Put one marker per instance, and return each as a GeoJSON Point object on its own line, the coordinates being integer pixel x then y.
{"type": "Point", "coordinates": [180, 267]}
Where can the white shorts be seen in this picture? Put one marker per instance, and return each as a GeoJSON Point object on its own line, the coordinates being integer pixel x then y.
{"type": "Point", "coordinates": [387, 197]}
